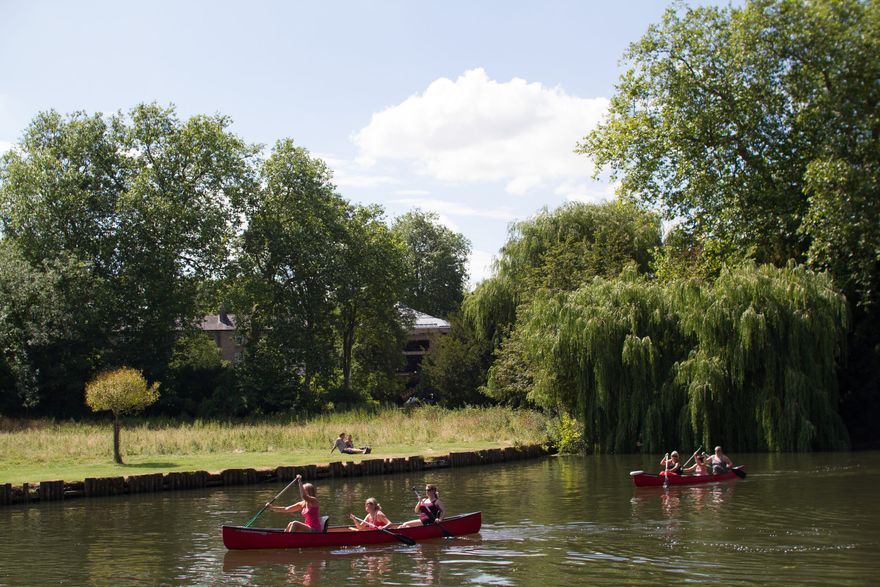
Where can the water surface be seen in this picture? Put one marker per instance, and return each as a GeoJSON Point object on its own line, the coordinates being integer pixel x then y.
{"type": "Point", "coordinates": [798, 519]}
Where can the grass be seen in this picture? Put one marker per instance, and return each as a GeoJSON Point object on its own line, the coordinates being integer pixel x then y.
{"type": "Point", "coordinates": [33, 451]}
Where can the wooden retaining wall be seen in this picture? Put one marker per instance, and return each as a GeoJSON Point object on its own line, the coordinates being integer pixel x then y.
{"type": "Point", "coordinates": [154, 482]}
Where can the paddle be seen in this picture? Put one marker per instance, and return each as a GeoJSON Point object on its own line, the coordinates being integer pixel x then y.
{"type": "Point", "coordinates": [405, 539]}
{"type": "Point", "coordinates": [254, 519]}
{"type": "Point", "coordinates": [739, 472]}
{"type": "Point", "coordinates": [692, 456]}
{"type": "Point", "coordinates": [446, 533]}
{"type": "Point", "coordinates": [666, 471]}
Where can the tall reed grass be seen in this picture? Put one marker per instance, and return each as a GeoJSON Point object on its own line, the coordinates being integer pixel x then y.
{"type": "Point", "coordinates": [421, 428]}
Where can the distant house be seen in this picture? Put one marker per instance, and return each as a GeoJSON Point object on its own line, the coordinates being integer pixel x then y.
{"type": "Point", "coordinates": [418, 339]}
{"type": "Point", "coordinates": [221, 327]}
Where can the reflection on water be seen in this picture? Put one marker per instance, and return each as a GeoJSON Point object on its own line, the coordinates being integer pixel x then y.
{"type": "Point", "coordinates": [798, 519]}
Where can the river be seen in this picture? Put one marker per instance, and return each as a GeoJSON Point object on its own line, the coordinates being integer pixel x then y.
{"type": "Point", "coordinates": [796, 519]}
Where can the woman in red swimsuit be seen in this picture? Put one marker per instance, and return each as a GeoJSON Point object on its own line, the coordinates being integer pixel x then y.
{"type": "Point", "coordinates": [309, 507]}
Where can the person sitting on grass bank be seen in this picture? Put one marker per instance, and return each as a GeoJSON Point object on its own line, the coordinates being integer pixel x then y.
{"type": "Point", "coordinates": [375, 518]}
{"type": "Point", "coordinates": [429, 508]}
{"type": "Point", "coordinates": [308, 506]}
{"type": "Point", "coordinates": [343, 446]}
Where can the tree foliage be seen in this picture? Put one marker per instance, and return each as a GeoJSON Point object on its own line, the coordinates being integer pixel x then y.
{"type": "Point", "coordinates": [723, 111]}
{"type": "Point", "coordinates": [749, 360]}
{"type": "Point", "coordinates": [757, 128]}
{"type": "Point", "coordinates": [146, 201]}
{"type": "Point", "coordinates": [121, 391]}
{"type": "Point", "coordinates": [559, 250]}
{"type": "Point", "coordinates": [45, 312]}
{"type": "Point", "coordinates": [286, 275]}
{"type": "Point", "coordinates": [436, 257]}
{"type": "Point", "coordinates": [455, 368]}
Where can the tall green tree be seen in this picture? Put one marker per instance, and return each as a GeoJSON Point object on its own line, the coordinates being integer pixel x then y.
{"type": "Point", "coordinates": [758, 128]}
{"type": "Point", "coordinates": [371, 285]}
{"type": "Point", "coordinates": [45, 312]}
{"type": "Point", "coordinates": [148, 201]}
{"type": "Point", "coordinates": [288, 270]}
{"type": "Point", "coordinates": [436, 257]}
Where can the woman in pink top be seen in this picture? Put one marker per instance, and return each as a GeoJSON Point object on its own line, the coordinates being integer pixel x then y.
{"type": "Point", "coordinates": [699, 467]}
{"type": "Point", "coordinates": [308, 506]}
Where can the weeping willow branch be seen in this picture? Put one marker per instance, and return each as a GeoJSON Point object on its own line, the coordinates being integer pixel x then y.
{"type": "Point", "coordinates": [749, 360]}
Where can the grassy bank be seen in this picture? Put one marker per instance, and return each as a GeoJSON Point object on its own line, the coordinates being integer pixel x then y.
{"type": "Point", "coordinates": [43, 450]}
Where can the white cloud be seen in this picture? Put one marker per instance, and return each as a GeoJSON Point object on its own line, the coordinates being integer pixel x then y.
{"type": "Point", "coordinates": [443, 207]}
{"type": "Point", "coordinates": [411, 192]}
{"type": "Point", "coordinates": [478, 129]}
{"type": "Point", "coordinates": [348, 174]}
{"type": "Point", "coordinates": [479, 267]}
{"type": "Point", "coordinates": [588, 192]}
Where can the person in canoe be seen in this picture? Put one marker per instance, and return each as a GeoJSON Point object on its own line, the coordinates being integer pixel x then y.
{"type": "Point", "coordinates": [429, 508]}
{"type": "Point", "coordinates": [720, 462]}
{"type": "Point", "coordinates": [671, 464]}
{"type": "Point", "coordinates": [308, 506]}
{"type": "Point", "coordinates": [699, 467]}
{"type": "Point", "coordinates": [374, 519]}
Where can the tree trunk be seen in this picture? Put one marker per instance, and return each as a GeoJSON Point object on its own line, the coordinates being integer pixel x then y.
{"type": "Point", "coordinates": [116, 456]}
{"type": "Point", "coordinates": [347, 346]}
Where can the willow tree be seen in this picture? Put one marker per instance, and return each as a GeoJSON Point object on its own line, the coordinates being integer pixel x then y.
{"type": "Point", "coordinates": [756, 127]}
{"type": "Point", "coordinates": [762, 374]}
{"type": "Point", "coordinates": [749, 361]}
{"type": "Point", "coordinates": [555, 251]}
{"type": "Point", "coordinates": [606, 352]}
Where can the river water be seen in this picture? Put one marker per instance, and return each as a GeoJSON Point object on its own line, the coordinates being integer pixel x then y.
{"type": "Point", "coordinates": [796, 519]}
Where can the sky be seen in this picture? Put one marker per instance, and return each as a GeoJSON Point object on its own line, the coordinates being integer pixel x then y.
{"type": "Point", "coordinates": [469, 109]}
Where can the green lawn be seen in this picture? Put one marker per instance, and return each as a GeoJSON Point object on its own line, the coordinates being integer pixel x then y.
{"type": "Point", "coordinates": [71, 451]}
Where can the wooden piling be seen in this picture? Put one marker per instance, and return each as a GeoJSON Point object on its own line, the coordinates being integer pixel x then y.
{"type": "Point", "coordinates": [51, 490]}
{"type": "Point", "coordinates": [147, 483]}
{"type": "Point", "coordinates": [285, 474]}
{"type": "Point", "coordinates": [104, 486]}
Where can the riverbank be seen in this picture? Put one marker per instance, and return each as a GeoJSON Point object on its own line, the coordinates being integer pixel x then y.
{"type": "Point", "coordinates": [36, 451]}
{"type": "Point", "coordinates": [156, 482]}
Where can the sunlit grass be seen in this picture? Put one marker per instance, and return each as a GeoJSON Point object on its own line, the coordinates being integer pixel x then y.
{"type": "Point", "coordinates": [44, 450]}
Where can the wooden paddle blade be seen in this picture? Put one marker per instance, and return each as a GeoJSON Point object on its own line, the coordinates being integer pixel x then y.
{"type": "Point", "coordinates": [405, 539]}
{"type": "Point", "coordinates": [739, 472]}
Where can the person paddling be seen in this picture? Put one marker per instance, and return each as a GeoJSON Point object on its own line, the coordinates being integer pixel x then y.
{"type": "Point", "coordinates": [671, 464]}
{"type": "Point", "coordinates": [720, 462]}
{"type": "Point", "coordinates": [308, 506]}
{"type": "Point", "coordinates": [699, 467]}
{"type": "Point", "coordinates": [429, 508]}
{"type": "Point", "coordinates": [375, 518]}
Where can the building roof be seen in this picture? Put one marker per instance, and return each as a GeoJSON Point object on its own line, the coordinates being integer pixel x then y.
{"type": "Point", "coordinates": [426, 322]}
{"type": "Point", "coordinates": [218, 322]}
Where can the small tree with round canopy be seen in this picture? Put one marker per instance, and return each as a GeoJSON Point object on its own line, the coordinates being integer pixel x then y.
{"type": "Point", "coordinates": [121, 391]}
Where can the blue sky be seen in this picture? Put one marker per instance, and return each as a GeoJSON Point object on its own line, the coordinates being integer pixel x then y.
{"type": "Point", "coordinates": [468, 109]}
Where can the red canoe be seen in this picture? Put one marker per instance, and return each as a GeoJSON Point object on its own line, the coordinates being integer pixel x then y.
{"type": "Point", "coordinates": [642, 479]}
{"type": "Point", "coordinates": [241, 538]}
